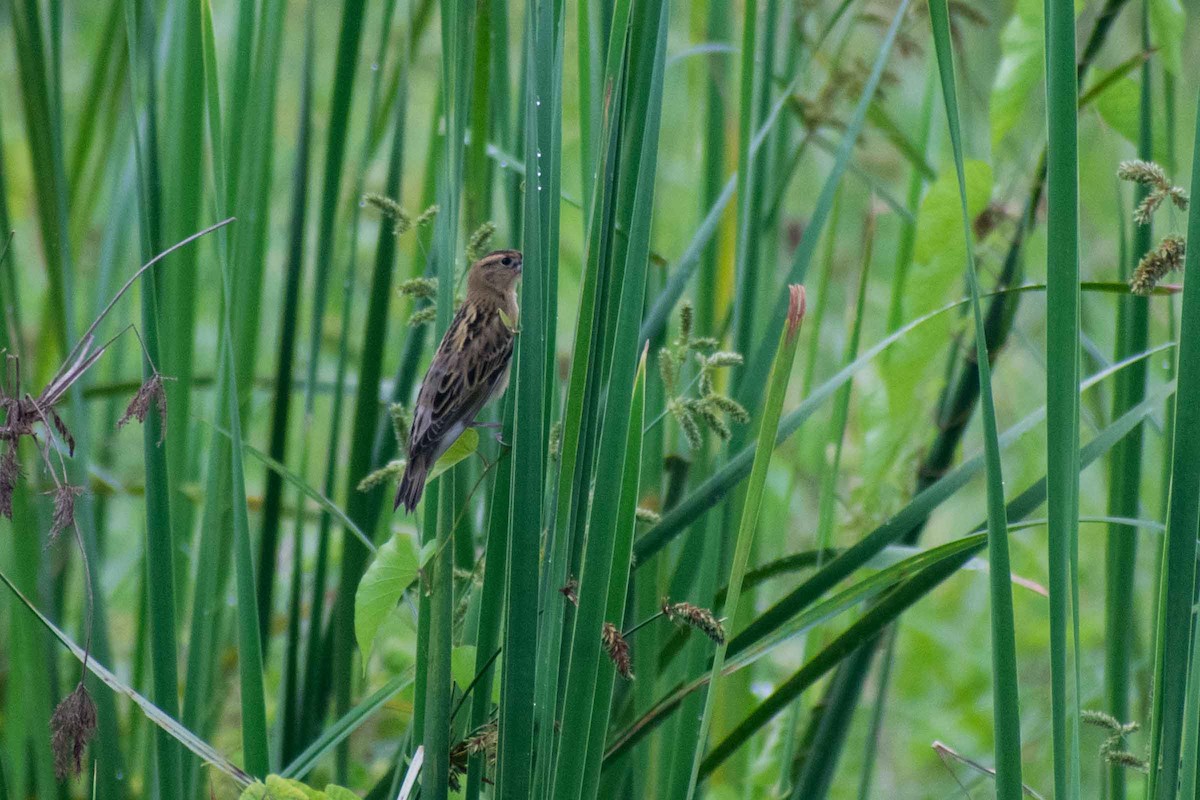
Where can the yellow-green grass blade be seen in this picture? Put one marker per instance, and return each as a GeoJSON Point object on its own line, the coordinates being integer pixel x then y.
{"type": "Point", "coordinates": [772, 409]}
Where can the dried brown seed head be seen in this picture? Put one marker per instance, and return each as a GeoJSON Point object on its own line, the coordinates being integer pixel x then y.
{"type": "Point", "coordinates": [72, 727]}
{"type": "Point", "coordinates": [10, 473]}
{"type": "Point", "coordinates": [150, 392]}
{"type": "Point", "coordinates": [617, 649]}
{"type": "Point", "coordinates": [64, 508]}
{"type": "Point", "coordinates": [571, 592]}
{"type": "Point", "coordinates": [696, 617]}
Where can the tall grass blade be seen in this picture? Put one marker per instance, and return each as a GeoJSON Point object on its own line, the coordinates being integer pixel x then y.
{"type": "Point", "coordinates": [1125, 466]}
{"type": "Point", "coordinates": [781, 371]}
{"type": "Point", "coordinates": [1062, 396]}
{"type": "Point", "coordinates": [1177, 585]}
{"type": "Point", "coordinates": [542, 114]}
{"type": "Point", "coordinates": [1006, 709]}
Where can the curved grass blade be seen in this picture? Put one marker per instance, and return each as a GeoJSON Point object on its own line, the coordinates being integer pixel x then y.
{"type": "Point", "coordinates": [166, 722]}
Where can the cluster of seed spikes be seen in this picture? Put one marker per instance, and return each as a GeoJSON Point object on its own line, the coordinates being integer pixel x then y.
{"type": "Point", "coordinates": [402, 221]}
{"type": "Point", "coordinates": [710, 408]}
{"type": "Point", "coordinates": [696, 617]}
{"type": "Point", "coordinates": [1169, 255]}
{"type": "Point", "coordinates": [391, 471]}
{"type": "Point", "coordinates": [482, 740]}
{"type": "Point", "coordinates": [1113, 749]}
{"type": "Point", "coordinates": [616, 643]}
{"type": "Point", "coordinates": [424, 290]}
{"type": "Point", "coordinates": [617, 649]}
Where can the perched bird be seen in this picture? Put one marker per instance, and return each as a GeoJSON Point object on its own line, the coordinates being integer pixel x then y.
{"type": "Point", "coordinates": [469, 369]}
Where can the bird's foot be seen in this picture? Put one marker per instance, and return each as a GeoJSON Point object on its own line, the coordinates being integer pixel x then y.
{"type": "Point", "coordinates": [496, 426]}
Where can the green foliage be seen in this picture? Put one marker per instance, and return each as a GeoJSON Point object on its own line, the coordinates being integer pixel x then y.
{"type": "Point", "coordinates": [279, 788]}
{"type": "Point", "coordinates": [393, 569]}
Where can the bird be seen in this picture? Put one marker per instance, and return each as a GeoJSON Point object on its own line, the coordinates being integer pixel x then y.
{"type": "Point", "coordinates": [469, 369]}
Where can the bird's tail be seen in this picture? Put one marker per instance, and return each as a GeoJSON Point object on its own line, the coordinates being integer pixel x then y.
{"type": "Point", "coordinates": [412, 485]}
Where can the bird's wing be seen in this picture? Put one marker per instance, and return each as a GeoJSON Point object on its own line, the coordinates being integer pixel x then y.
{"type": "Point", "coordinates": [473, 356]}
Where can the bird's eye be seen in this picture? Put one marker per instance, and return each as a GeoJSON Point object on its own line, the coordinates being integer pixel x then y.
{"type": "Point", "coordinates": [506, 261]}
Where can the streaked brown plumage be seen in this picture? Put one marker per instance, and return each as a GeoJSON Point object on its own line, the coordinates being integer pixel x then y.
{"type": "Point", "coordinates": [469, 369]}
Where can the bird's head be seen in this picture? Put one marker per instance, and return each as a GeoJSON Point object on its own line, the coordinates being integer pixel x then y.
{"type": "Point", "coordinates": [498, 271]}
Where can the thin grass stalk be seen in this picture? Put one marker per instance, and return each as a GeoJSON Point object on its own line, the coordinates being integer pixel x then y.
{"type": "Point", "coordinates": [591, 102]}
{"type": "Point", "coordinates": [491, 603]}
{"type": "Point", "coordinates": [253, 197]}
{"type": "Point", "coordinates": [250, 658]}
{"type": "Point", "coordinates": [1189, 777]}
{"type": "Point", "coordinates": [215, 537]}
{"type": "Point", "coordinates": [642, 117]}
{"type": "Point", "coordinates": [183, 160]}
{"type": "Point", "coordinates": [345, 71]}
{"type": "Point", "coordinates": [281, 404]}
{"type": "Point", "coordinates": [281, 400]}
{"type": "Point", "coordinates": [1062, 371]}
{"type": "Point", "coordinates": [107, 71]}
{"type": "Point", "coordinates": [758, 361]}
{"type": "Point", "coordinates": [440, 508]}
{"type": "Point", "coordinates": [160, 566]}
{"type": "Point", "coordinates": [478, 169]}
{"type": "Point", "coordinates": [367, 416]}
{"type": "Point", "coordinates": [781, 370]}
{"type": "Point", "coordinates": [1005, 700]}
{"type": "Point", "coordinates": [827, 507]}
{"type": "Point", "coordinates": [916, 183]}
{"type": "Point", "coordinates": [748, 194]}
{"type": "Point", "coordinates": [542, 113]}
{"type": "Point", "coordinates": [1125, 472]}
{"type": "Point", "coordinates": [1183, 516]}
{"type": "Point", "coordinates": [717, 29]}
{"type": "Point", "coordinates": [618, 585]}
{"type": "Point", "coordinates": [582, 409]}
{"type": "Point", "coordinates": [349, 40]}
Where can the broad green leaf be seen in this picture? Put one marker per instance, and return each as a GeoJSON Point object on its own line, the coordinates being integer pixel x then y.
{"type": "Point", "coordinates": [939, 263]}
{"type": "Point", "coordinates": [463, 446]}
{"type": "Point", "coordinates": [339, 793]}
{"type": "Point", "coordinates": [462, 665]}
{"type": "Point", "coordinates": [427, 552]}
{"type": "Point", "coordinates": [939, 213]}
{"type": "Point", "coordinates": [277, 788]}
{"type": "Point", "coordinates": [1119, 108]}
{"type": "Point", "coordinates": [1020, 71]}
{"type": "Point", "coordinates": [390, 573]}
{"type": "Point", "coordinates": [1167, 23]}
